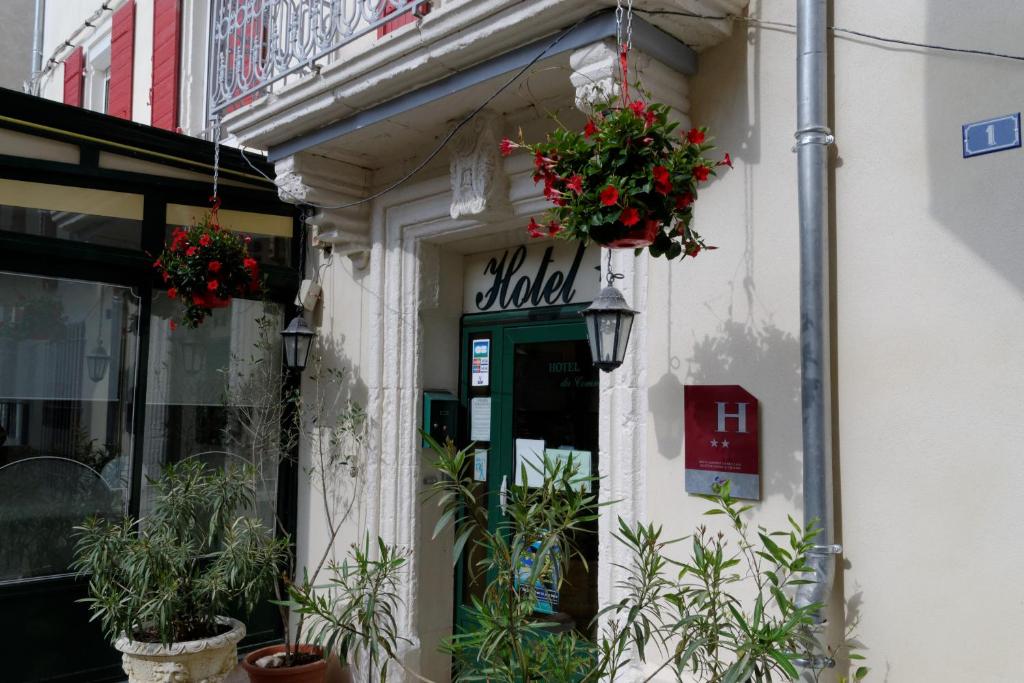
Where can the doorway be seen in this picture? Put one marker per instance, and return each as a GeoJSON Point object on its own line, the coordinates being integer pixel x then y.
{"type": "Point", "coordinates": [528, 389]}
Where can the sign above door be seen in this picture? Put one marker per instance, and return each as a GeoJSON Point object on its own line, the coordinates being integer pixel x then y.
{"type": "Point", "coordinates": [549, 273]}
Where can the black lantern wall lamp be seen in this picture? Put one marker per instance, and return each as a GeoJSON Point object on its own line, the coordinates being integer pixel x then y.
{"type": "Point", "coordinates": [297, 340]}
{"type": "Point", "coordinates": [609, 321]}
{"type": "Point", "coordinates": [97, 361]}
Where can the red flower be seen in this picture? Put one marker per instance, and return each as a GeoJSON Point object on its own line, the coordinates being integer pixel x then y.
{"type": "Point", "coordinates": [172, 293]}
{"type": "Point", "coordinates": [575, 184]}
{"type": "Point", "coordinates": [534, 228]}
{"type": "Point", "coordinates": [214, 266]}
{"type": "Point", "coordinates": [650, 116]}
{"type": "Point", "coordinates": [662, 183]}
{"type": "Point", "coordinates": [205, 240]}
{"type": "Point", "coordinates": [684, 200]}
{"type": "Point", "coordinates": [637, 107]}
{"type": "Point", "coordinates": [554, 228]}
{"type": "Point", "coordinates": [191, 251]}
{"type": "Point", "coordinates": [727, 161]}
{"type": "Point", "coordinates": [173, 325]}
{"type": "Point", "coordinates": [250, 264]}
{"type": "Point", "coordinates": [695, 136]}
{"type": "Point", "coordinates": [212, 285]}
{"type": "Point", "coordinates": [629, 217]}
{"type": "Point", "coordinates": [589, 129]}
{"type": "Point", "coordinates": [506, 147]}
{"type": "Point", "coordinates": [609, 196]}
{"type": "Point", "coordinates": [701, 173]}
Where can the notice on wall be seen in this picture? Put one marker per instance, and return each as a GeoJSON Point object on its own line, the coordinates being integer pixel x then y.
{"type": "Point", "coordinates": [530, 456]}
{"type": "Point", "coordinates": [480, 418]}
{"type": "Point", "coordinates": [581, 462]}
{"type": "Point", "coordinates": [481, 363]}
{"type": "Point", "coordinates": [721, 425]}
{"type": "Point", "coordinates": [480, 464]}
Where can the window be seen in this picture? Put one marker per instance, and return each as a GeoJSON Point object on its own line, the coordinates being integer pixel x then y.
{"type": "Point", "coordinates": [112, 219]}
{"type": "Point", "coordinates": [67, 378]}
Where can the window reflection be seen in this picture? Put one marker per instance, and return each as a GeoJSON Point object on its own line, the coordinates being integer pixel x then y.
{"type": "Point", "coordinates": [214, 393]}
{"type": "Point", "coordinates": [65, 429]}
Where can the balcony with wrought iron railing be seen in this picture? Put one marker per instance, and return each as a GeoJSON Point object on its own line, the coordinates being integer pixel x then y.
{"type": "Point", "coordinates": [260, 45]}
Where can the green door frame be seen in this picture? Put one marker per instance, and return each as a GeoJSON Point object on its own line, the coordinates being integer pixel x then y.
{"type": "Point", "coordinates": [505, 330]}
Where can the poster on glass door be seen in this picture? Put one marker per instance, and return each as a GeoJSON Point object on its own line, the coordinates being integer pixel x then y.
{"type": "Point", "coordinates": [481, 363]}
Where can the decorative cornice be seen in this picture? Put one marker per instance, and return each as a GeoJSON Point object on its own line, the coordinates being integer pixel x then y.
{"type": "Point", "coordinates": [479, 183]}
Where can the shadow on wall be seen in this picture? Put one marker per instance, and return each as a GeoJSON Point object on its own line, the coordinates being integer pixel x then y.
{"type": "Point", "coordinates": [978, 199]}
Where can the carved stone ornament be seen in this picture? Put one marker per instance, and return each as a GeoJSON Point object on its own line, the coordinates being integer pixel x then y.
{"type": "Point", "coordinates": [195, 661]}
{"type": "Point", "coordinates": [479, 183]}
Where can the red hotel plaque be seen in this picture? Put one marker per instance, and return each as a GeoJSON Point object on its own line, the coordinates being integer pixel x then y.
{"type": "Point", "coordinates": [722, 440]}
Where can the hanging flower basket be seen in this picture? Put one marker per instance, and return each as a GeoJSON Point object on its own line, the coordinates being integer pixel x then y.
{"type": "Point", "coordinates": [628, 180]}
{"type": "Point", "coordinates": [204, 267]}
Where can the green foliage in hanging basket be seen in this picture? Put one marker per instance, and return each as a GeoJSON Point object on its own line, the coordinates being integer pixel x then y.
{"type": "Point", "coordinates": [628, 179]}
{"type": "Point", "coordinates": [204, 266]}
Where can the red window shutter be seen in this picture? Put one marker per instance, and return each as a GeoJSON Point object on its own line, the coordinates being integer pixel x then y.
{"type": "Point", "coordinates": [122, 58]}
{"type": "Point", "coordinates": [74, 77]}
{"type": "Point", "coordinates": [407, 18]}
{"type": "Point", "coordinates": [166, 63]}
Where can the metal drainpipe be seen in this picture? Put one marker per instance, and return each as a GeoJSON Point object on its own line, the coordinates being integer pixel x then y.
{"type": "Point", "coordinates": [37, 47]}
{"type": "Point", "coordinates": [813, 138]}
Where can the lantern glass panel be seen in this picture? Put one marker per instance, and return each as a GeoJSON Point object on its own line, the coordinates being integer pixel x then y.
{"type": "Point", "coordinates": [625, 327]}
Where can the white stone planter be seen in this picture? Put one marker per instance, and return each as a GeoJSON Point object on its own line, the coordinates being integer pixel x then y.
{"type": "Point", "coordinates": [195, 661]}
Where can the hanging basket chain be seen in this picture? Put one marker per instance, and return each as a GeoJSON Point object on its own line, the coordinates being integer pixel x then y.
{"type": "Point", "coordinates": [624, 39]}
{"type": "Point", "coordinates": [610, 275]}
{"type": "Point", "coordinates": [215, 197]}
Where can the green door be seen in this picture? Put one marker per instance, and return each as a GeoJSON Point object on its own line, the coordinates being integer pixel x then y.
{"type": "Point", "coordinates": [528, 386]}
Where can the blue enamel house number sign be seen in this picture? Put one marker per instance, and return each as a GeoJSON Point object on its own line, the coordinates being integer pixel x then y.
{"type": "Point", "coordinates": [991, 135]}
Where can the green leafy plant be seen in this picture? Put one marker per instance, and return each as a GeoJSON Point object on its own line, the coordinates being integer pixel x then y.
{"type": "Point", "coordinates": [168, 577]}
{"type": "Point", "coordinates": [354, 612]}
{"type": "Point", "coordinates": [723, 615]}
{"type": "Point", "coordinates": [628, 179]}
{"type": "Point", "coordinates": [205, 266]}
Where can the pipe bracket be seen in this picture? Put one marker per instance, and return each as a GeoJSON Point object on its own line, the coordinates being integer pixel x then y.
{"type": "Point", "coordinates": [825, 550]}
{"type": "Point", "coordinates": [813, 135]}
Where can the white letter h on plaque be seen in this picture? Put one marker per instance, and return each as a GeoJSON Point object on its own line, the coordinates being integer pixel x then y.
{"type": "Point", "coordinates": [740, 416]}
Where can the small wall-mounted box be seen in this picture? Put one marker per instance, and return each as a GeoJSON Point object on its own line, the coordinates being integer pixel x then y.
{"type": "Point", "coordinates": [440, 415]}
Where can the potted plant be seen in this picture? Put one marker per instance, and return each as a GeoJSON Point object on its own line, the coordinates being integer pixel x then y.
{"type": "Point", "coordinates": [627, 180]}
{"type": "Point", "coordinates": [205, 266]}
{"type": "Point", "coordinates": [161, 586]}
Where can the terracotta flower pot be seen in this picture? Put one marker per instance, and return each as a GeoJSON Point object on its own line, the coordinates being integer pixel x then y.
{"type": "Point", "coordinates": [312, 672]}
{"type": "Point", "coordinates": [637, 237]}
{"type": "Point", "coordinates": [209, 659]}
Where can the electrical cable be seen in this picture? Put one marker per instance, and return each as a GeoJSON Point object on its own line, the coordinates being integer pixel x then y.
{"type": "Point", "coordinates": [834, 29]}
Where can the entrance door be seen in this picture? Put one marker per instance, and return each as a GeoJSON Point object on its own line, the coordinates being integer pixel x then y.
{"type": "Point", "coordinates": [529, 388]}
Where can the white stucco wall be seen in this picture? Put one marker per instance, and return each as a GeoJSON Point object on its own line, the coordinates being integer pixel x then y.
{"type": "Point", "coordinates": [16, 21]}
{"type": "Point", "coordinates": [928, 316]}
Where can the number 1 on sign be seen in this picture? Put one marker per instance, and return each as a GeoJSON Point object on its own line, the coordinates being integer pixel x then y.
{"type": "Point", "coordinates": [990, 131]}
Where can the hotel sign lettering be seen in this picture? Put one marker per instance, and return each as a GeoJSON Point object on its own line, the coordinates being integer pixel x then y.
{"type": "Point", "coordinates": [722, 440]}
{"type": "Point", "coordinates": [531, 275]}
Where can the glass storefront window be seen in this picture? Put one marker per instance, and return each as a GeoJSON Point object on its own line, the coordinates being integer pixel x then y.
{"type": "Point", "coordinates": [214, 393]}
{"type": "Point", "coordinates": [101, 217]}
{"type": "Point", "coordinates": [68, 353]}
